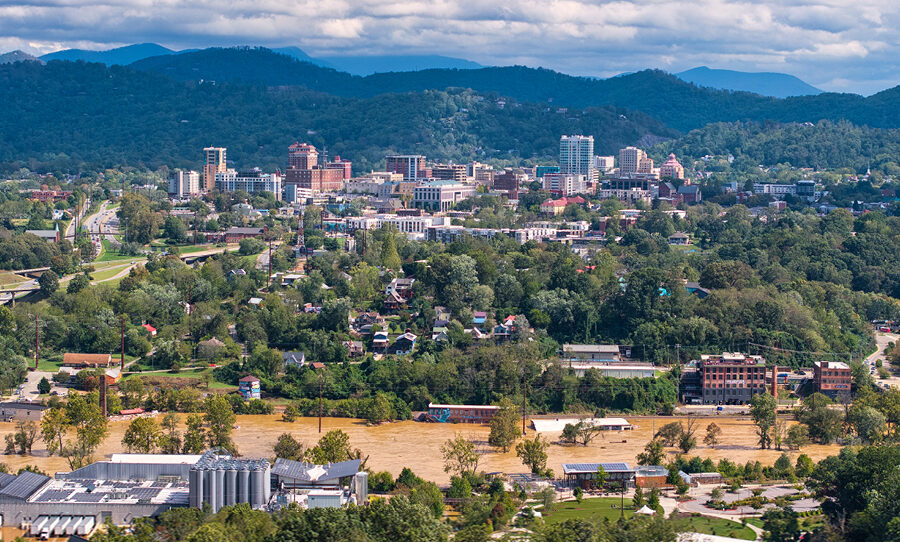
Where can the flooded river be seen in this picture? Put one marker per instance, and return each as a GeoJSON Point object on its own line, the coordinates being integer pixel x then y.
{"type": "Point", "coordinates": [417, 445]}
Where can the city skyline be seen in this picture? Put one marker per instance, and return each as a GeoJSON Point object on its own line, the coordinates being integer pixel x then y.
{"type": "Point", "coordinates": [834, 45]}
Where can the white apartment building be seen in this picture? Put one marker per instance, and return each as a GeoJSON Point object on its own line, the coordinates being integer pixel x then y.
{"type": "Point", "coordinates": [249, 181]}
{"type": "Point", "coordinates": [565, 183]}
{"type": "Point", "coordinates": [774, 189]}
{"type": "Point", "coordinates": [184, 184]}
{"type": "Point", "coordinates": [576, 155]}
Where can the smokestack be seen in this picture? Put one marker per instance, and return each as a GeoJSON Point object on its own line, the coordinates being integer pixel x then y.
{"type": "Point", "coordinates": [775, 381]}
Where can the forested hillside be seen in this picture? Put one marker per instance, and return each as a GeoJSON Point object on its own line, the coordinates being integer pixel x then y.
{"type": "Point", "coordinates": [677, 103]}
{"type": "Point", "coordinates": [824, 145]}
{"type": "Point", "coordinates": [71, 116]}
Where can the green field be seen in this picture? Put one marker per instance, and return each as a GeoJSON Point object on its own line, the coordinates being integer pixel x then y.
{"type": "Point", "coordinates": [109, 254]}
{"type": "Point", "coordinates": [599, 508]}
{"type": "Point", "coordinates": [716, 526]}
{"type": "Point", "coordinates": [608, 508]}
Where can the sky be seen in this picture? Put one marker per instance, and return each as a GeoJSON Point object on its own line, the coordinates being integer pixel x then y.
{"type": "Point", "coordinates": [836, 45]}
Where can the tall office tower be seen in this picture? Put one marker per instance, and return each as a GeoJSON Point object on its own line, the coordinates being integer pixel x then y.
{"type": "Point", "coordinates": [630, 160]}
{"type": "Point", "coordinates": [302, 156]}
{"type": "Point", "coordinates": [576, 155]}
{"type": "Point", "coordinates": [411, 166]}
{"type": "Point", "coordinates": [215, 163]}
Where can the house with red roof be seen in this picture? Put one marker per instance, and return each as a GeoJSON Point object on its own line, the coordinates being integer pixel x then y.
{"type": "Point", "coordinates": [557, 206]}
{"type": "Point", "coordinates": [150, 329]}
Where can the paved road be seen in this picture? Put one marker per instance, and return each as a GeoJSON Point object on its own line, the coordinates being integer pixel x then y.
{"type": "Point", "coordinates": [70, 230]}
{"type": "Point", "coordinates": [882, 340]}
{"type": "Point", "coordinates": [29, 390]}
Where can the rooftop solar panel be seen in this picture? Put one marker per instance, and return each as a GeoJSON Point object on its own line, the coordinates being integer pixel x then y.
{"type": "Point", "coordinates": [24, 485]}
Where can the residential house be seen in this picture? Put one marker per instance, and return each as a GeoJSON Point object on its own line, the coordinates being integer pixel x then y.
{"type": "Point", "coordinates": [394, 302]}
{"type": "Point", "coordinates": [679, 238]}
{"type": "Point", "coordinates": [477, 334]}
{"type": "Point", "coordinates": [504, 330]}
{"type": "Point", "coordinates": [365, 321]}
{"type": "Point", "coordinates": [404, 344]}
{"type": "Point", "coordinates": [210, 348]}
{"type": "Point", "coordinates": [294, 358]}
{"type": "Point", "coordinates": [380, 341]}
{"type": "Point", "coordinates": [354, 348]}
{"type": "Point", "coordinates": [479, 318]}
{"type": "Point", "coordinates": [150, 329]}
{"type": "Point", "coordinates": [255, 302]}
{"type": "Point", "coordinates": [439, 334]}
{"type": "Point", "coordinates": [696, 289]}
{"type": "Point", "coordinates": [401, 286]}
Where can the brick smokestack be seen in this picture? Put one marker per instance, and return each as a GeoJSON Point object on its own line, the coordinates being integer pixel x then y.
{"type": "Point", "coordinates": [775, 381]}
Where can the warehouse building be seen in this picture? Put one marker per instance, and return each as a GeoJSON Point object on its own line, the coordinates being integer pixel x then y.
{"type": "Point", "coordinates": [130, 486]}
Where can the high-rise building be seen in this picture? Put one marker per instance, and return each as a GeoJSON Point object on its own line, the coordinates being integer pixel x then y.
{"type": "Point", "coordinates": [215, 163]}
{"type": "Point", "coordinates": [412, 166]}
{"type": "Point", "coordinates": [630, 160]}
{"type": "Point", "coordinates": [345, 166]}
{"type": "Point", "coordinates": [449, 172]}
{"type": "Point", "coordinates": [302, 156]}
{"type": "Point", "coordinates": [576, 155]}
{"type": "Point", "coordinates": [184, 183]}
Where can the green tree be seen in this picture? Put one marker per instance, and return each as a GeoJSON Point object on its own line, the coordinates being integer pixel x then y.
{"type": "Point", "coordinates": [171, 440]}
{"type": "Point", "coordinates": [48, 282]}
{"type": "Point", "coordinates": [390, 258]}
{"type": "Point", "coordinates": [762, 410]}
{"type": "Point", "coordinates": [219, 419]}
{"type": "Point", "coordinates": [638, 500]}
{"type": "Point", "coordinates": [78, 283]}
{"type": "Point", "coordinates": [781, 525]}
{"type": "Point", "coordinates": [653, 453]}
{"type": "Point", "coordinates": [653, 501]}
{"type": "Point", "coordinates": [333, 447]}
{"type": "Point", "coordinates": [504, 426]}
{"type": "Point", "coordinates": [194, 435]}
{"type": "Point", "coordinates": [533, 453]}
{"type": "Point", "coordinates": [600, 476]}
{"type": "Point", "coordinates": [142, 436]}
{"type": "Point", "coordinates": [44, 386]}
{"type": "Point", "coordinates": [287, 447]}
{"type": "Point", "coordinates": [460, 456]}
{"type": "Point", "coordinates": [868, 423]}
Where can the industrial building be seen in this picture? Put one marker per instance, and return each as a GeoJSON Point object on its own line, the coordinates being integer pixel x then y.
{"type": "Point", "coordinates": [130, 486]}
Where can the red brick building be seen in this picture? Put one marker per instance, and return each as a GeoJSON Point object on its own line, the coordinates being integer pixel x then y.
{"type": "Point", "coordinates": [832, 377]}
{"type": "Point", "coordinates": [732, 378]}
{"type": "Point", "coordinates": [320, 180]}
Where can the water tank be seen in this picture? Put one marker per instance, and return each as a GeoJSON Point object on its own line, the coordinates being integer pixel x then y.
{"type": "Point", "coordinates": [214, 490]}
{"type": "Point", "coordinates": [196, 484]}
{"type": "Point", "coordinates": [230, 486]}
{"type": "Point", "coordinates": [243, 485]}
{"type": "Point", "coordinates": [267, 484]}
{"type": "Point", "coordinates": [256, 487]}
{"type": "Point", "coordinates": [220, 484]}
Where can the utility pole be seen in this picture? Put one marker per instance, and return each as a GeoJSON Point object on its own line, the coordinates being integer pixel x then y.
{"type": "Point", "coordinates": [269, 272]}
{"type": "Point", "coordinates": [37, 339]}
{"type": "Point", "coordinates": [524, 399]}
{"type": "Point", "coordinates": [320, 401]}
{"type": "Point", "coordinates": [122, 355]}
{"type": "Point", "coordinates": [103, 393]}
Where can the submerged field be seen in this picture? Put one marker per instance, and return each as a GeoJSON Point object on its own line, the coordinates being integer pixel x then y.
{"type": "Point", "coordinates": [417, 445]}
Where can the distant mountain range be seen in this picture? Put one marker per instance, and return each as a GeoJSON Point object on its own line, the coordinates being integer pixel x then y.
{"type": "Point", "coordinates": [256, 101]}
{"type": "Point", "coordinates": [120, 55]}
{"type": "Point", "coordinates": [17, 56]}
{"type": "Point", "coordinates": [778, 85]}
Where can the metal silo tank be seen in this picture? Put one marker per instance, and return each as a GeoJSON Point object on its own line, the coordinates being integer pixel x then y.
{"type": "Point", "coordinates": [267, 484]}
{"type": "Point", "coordinates": [220, 484]}
{"type": "Point", "coordinates": [230, 486]}
{"type": "Point", "coordinates": [256, 487]}
{"type": "Point", "coordinates": [196, 488]}
{"type": "Point", "coordinates": [243, 486]}
{"type": "Point", "coordinates": [214, 490]}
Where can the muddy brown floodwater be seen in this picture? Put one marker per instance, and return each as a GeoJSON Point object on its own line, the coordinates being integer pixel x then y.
{"type": "Point", "coordinates": [417, 445]}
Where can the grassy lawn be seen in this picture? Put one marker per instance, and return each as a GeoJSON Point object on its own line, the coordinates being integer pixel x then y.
{"type": "Point", "coordinates": [598, 508]}
{"type": "Point", "coordinates": [109, 254]}
{"type": "Point", "coordinates": [716, 526]}
{"type": "Point", "coordinates": [108, 273]}
{"type": "Point", "coordinates": [51, 366]}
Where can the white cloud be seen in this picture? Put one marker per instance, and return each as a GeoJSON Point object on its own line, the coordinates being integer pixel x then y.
{"type": "Point", "coordinates": [837, 44]}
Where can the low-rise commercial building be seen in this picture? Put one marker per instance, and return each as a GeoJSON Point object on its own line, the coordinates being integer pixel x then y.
{"type": "Point", "coordinates": [832, 377]}
{"type": "Point", "coordinates": [732, 378]}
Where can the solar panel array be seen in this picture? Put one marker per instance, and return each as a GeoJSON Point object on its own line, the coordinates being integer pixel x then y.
{"type": "Point", "coordinates": [24, 485]}
{"type": "Point", "coordinates": [143, 492]}
{"type": "Point", "coordinates": [53, 495]}
{"type": "Point", "coordinates": [89, 497]}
